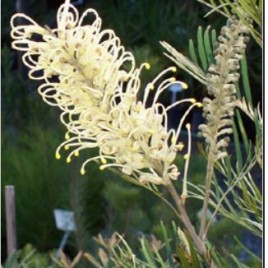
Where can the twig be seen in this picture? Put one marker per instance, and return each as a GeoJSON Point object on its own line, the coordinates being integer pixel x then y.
{"type": "Point", "coordinates": [210, 169]}
{"type": "Point", "coordinates": [185, 219]}
{"type": "Point", "coordinates": [199, 243]}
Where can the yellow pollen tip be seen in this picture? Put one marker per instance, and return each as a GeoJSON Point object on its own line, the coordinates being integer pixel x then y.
{"type": "Point", "coordinates": [173, 140]}
{"type": "Point", "coordinates": [103, 161]}
{"type": "Point", "coordinates": [101, 167]}
{"type": "Point", "coordinates": [82, 171]}
{"type": "Point", "coordinates": [57, 155]}
{"type": "Point", "coordinates": [199, 104]}
{"type": "Point", "coordinates": [76, 153]}
{"type": "Point", "coordinates": [180, 146]}
{"type": "Point", "coordinates": [184, 85]}
{"type": "Point", "coordinates": [186, 156]}
{"type": "Point", "coordinates": [172, 79]}
{"type": "Point", "coordinates": [147, 66]}
{"type": "Point", "coordinates": [67, 136]}
{"type": "Point", "coordinates": [188, 126]}
{"type": "Point", "coordinates": [193, 100]}
{"type": "Point", "coordinates": [68, 160]}
{"type": "Point", "coordinates": [173, 69]}
{"type": "Point", "coordinates": [151, 86]}
{"type": "Point", "coordinates": [66, 147]}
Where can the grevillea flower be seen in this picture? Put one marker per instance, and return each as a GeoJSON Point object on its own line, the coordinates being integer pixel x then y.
{"type": "Point", "coordinates": [85, 75]}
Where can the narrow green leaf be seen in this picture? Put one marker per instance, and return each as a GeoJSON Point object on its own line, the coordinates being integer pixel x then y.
{"type": "Point", "coordinates": [242, 131]}
{"type": "Point", "coordinates": [227, 205]}
{"type": "Point", "coordinates": [201, 49]}
{"type": "Point", "coordinates": [147, 253]}
{"type": "Point", "coordinates": [258, 126]}
{"type": "Point", "coordinates": [194, 256]}
{"type": "Point", "coordinates": [12, 260]}
{"type": "Point", "coordinates": [213, 3]}
{"type": "Point", "coordinates": [175, 231]}
{"type": "Point", "coordinates": [245, 80]}
{"type": "Point", "coordinates": [192, 52]}
{"type": "Point", "coordinates": [237, 147]}
{"type": "Point", "coordinates": [183, 260]}
{"type": "Point", "coordinates": [238, 262]}
{"type": "Point", "coordinates": [218, 260]}
{"type": "Point", "coordinates": [260, 5]}
{"type": "Point", "coordinates": [228, 167]}
{"type": "Point", "coordinates": [217, 8]}
{"type": "Point", "coordinates": [160, 259]}
{"type": "Point", "coordinates": [213, 38]}
{"type": "Point", "coordinates": [226, 10]}
{"type": "Point", "coordinates": [167, 243]}
{"type": "Point", "coordinates": [208, 47]}
{"type": "Point", "coordinates": [216, 189]}
{"type": "Point", "coordinates": [250, 9]}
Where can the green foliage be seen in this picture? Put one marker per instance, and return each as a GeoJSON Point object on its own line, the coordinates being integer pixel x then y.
{"type": "Point", "coordinates": [201, 57]}
{"type": "Point", "coordinates": [246, 108]}
{"type": "Point", "coordinates": [243, 9]}
{"type": "Point", "coordinates": [205, 44]}
{"type": "Point", "coordinates": [169, 251]}
{"type": "Point", "coordinates": [28, 257]}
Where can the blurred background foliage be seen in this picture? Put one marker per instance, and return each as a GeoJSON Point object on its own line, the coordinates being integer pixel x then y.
{"type": "Point", "coordinates": [31, 131]}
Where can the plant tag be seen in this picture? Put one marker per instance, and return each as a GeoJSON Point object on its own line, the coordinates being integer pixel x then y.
{"type": "Point", "coordinates": [64, 220]}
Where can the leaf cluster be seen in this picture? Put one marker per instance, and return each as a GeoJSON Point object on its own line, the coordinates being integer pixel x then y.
{"type": "Point", "coordinates": [242, 9]}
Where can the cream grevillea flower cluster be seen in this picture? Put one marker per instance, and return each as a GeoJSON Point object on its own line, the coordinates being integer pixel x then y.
{"type": "Point", "coordinates": [85, 75]}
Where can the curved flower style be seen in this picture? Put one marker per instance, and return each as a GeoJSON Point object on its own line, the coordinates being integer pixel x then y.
{"type": "Point", "coordinates": [81, 59]}
{"type": "Point", "coordinates": [85, 76]}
